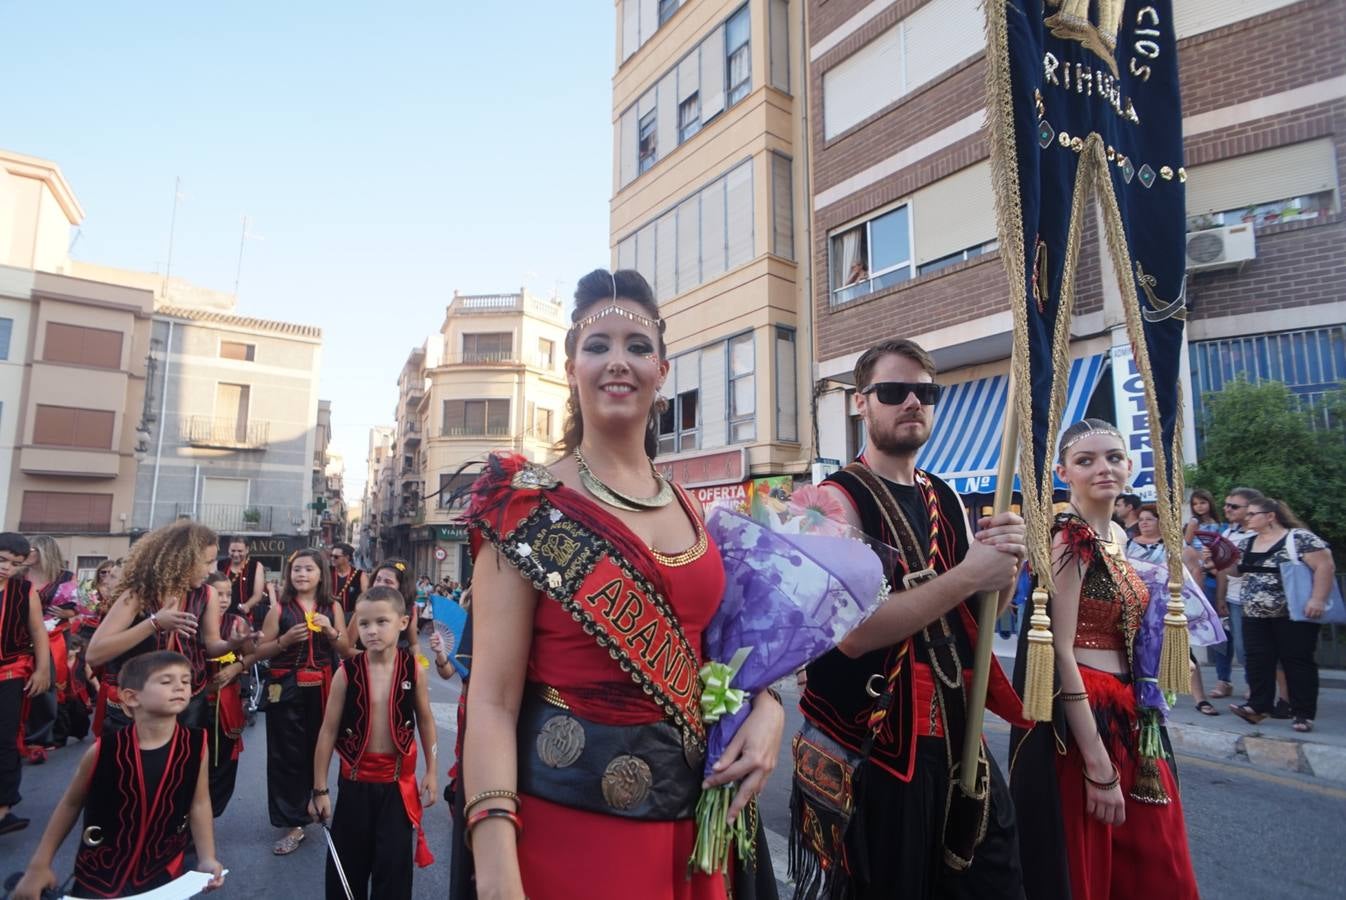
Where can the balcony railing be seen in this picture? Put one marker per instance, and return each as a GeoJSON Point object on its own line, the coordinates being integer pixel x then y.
{"type": "Point", "coordinates": [207, 431]}
{"type": "Point", "coordinates": [473, 431]}
{"type": "Point", "coordinates": [230, 519]}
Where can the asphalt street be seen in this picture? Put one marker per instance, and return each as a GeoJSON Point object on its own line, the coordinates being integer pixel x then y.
{"type": "Point", "coordinates": [1253, 835]}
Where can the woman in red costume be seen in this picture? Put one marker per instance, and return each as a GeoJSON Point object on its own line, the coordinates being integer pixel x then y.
{"type": "Point", "coordinates": [1098, 807]}
{"type": "Point", "coordinates": [594, 579]}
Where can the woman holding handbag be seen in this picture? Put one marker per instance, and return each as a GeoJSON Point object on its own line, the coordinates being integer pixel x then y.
{"type": "Point", "coordinates": [1270, 634]}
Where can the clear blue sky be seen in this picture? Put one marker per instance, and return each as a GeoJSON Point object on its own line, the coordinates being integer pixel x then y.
{"type": "Point", "coordinates": [386, 153]}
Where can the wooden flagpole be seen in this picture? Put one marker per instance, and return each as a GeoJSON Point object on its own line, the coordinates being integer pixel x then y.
{"type": "Point", "coordinates": [988, 602]}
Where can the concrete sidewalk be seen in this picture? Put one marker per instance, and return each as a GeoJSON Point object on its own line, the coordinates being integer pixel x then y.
{"type": "Point", "coordinates": [1271, 745]}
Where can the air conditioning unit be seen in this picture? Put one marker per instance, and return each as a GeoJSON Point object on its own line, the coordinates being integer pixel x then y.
{"type": "Point", "coordinates": [1220, 248]}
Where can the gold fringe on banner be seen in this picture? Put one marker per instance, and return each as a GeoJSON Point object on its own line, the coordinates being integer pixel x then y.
{"type": "Point", "coordinates": [1173, 660]}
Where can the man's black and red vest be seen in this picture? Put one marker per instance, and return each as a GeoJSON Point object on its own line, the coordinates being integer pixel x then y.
{"type": "Point", "coordinates": [241, 584]}
{"type": "Point", "coordinates": [836, 700]}
{"type": "Point", "coordinates": [353, 737]}
{"type": "Point", "coordinates": [16, 642]}
{"type": "Point", "coordinates": [136, 829]}
{"type": "Point", "coordinates": [346, 589]}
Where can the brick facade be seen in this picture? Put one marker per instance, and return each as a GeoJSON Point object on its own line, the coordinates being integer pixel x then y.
{"type": "Point", "coordinates": [1297, 264]}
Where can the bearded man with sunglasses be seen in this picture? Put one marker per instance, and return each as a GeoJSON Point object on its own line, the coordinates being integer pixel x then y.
{"type": "Point", "coordinates": [885, 713]}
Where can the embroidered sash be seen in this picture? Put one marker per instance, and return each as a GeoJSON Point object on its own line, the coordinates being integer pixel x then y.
{"type": "Point", "coordinates": [616, 595]}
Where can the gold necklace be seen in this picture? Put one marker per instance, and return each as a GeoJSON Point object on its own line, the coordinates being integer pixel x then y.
{"type": "Point", "coordinates": [615, 498]}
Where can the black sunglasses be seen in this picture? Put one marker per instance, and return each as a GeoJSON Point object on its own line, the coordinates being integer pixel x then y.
{"type": "Point", "coordinates": [891, 393]}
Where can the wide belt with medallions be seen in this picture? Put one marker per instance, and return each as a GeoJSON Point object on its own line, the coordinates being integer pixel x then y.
{"type": "Point", "coordinates": [615, 604]}
{"type": "Point", "coordinates": [636, 771]}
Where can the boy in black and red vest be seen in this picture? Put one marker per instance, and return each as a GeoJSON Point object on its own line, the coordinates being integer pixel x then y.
{"type": "Point", "coordinates": [377, 702]}
{"type": "Point", "coordinates": [24, 668]}
{"type": "Point", "coordinates": [151, 775]}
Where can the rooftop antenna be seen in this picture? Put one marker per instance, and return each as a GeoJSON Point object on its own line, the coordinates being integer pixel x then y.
{"type": "Point", "coordinates": [79, 232]}
{"type": "Point", "coordinates": [172, 229]}
{"type": "Point", "coordinates": [242, 242]}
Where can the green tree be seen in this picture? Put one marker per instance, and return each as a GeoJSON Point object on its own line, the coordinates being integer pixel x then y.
{"type": "Point", "coordinates": [1257, 436]}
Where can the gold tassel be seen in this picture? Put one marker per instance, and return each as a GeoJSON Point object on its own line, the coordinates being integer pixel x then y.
{"type": "Point", "coordinates": [1174, 674]}
{"type": "Point", "coordinates": [1149, 787]}
{"type": "Point", "coordinates": [1041, 662]}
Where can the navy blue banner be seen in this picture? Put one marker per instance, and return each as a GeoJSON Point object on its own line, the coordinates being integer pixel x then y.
{"type": "Point", "coordinates": [1088, 94]}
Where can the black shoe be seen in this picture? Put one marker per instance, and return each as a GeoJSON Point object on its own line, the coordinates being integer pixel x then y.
{"type": "Point", "coordinates": [12, 822]}
{"type": "Point", "coordinates": [1281, 710]}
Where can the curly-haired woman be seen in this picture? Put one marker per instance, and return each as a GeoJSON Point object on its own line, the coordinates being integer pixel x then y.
{"type": "Point", "coordinates": [160, 604]}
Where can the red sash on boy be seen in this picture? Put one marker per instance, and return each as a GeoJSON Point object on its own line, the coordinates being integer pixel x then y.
{"type": "Point", "coordinates": [384, 768]}
{"type": "Point", "coordinates": [587, 560]}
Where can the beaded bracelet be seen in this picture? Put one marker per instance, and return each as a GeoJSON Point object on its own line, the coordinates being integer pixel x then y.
{"type": "Point", "coordinates": [1104, 785]}
{"type": "Point", "coordinates": [1075, 696]}
{"type": "Point", "coordinates": [497, 794]}
{"type": "Point", "coordinates": [493, 813]}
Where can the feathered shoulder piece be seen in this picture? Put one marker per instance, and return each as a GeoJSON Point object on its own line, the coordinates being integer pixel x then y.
{"type": "Point", "coordinates": [507, 480]}
{"type": "Point", "coordinates": [1081, 542]}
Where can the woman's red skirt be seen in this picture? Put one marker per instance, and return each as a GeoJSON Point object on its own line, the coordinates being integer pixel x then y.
{"type": "Point", "coordinates": [1147, 855]}
{"type": "Point", "coordinates": [566, 853]}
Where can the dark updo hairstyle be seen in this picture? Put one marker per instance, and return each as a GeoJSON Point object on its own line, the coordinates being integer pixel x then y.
{"type": "Point", "coordinates": [595, 289]}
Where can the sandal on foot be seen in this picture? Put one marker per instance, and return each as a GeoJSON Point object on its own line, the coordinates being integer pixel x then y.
{"type": "Point", "coordinates": [1206, 709]}
{"type": "Point", "coordinates": [288, 844]}
{"type": "Point", "coordinates": [1247, 713]}
{"type": "Point", "coordinates": [1222, 689]}
{"type": "Point", "coordinates": [1302, 724]}
{"type": "Point", "coordinates": [1281, 710]}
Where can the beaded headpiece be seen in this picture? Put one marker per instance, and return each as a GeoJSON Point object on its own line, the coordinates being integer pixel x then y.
{"type": "Point", "coordinates": [614, 309]}
{"type": "Point", "coordinates": [1090, 431]}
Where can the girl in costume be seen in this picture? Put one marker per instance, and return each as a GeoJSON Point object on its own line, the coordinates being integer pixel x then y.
{"type": "Point", "coordinates": [160, 604]}
{"type": "Point", "coordinates": [1094, 789]}
{"type": "Point", "coordinates": [396, 574]}
{"type": "Point", "coordinates": [594, 579]}
{"type": "Point", "coordinates": [303, 635]}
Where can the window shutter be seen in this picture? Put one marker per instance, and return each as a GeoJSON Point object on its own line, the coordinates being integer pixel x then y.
{"type": "Point", "coordinates": [712, 74]}
{"type": "Point", "coordinates": [455, 415]}
{"type": "Point", "coordinates": [863, 83]}
{"type": "Point", "coordinates": [629, 146]}
{"type": "Point", "coordinates": [713, 409]}
{"type": "Point", "coordinates": [954, 213]}
{"type": "Point", "coordinates": [666, 261]}
{"type": "Point", "coordinates": [712, 231]}
{"type": "Point", "coordinates": [630, 28]}
{"type": "Point", "coordinates": [649, 19]}
{"type": "Point", "coordinates": [1280, 174]}
{"type": "Point", "coordinates": [626, 253]}
{"type": "Point", "coordinates": [780, 45]}
{"type": "Point", "coordinates": [645, 253]}
{"type": "Point", "coordinates": [738, 203]}
{"type": "Point", "coordinates": [645, 104]}
{"type": "Point", "coordinates": [689, 243]}
{"type": "Point", "coordinates": [689, 75]}
{"type": "Point", "coordinates": [782, 207]}
{"type": "Point", "coordinates": [666, 135]}
{"type": "Point", "coordinates": [938, 38]}
{"type": "Point", "coordinates": [787, 409]}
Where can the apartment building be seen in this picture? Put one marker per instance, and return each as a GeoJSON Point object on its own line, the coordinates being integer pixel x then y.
{"type": "Point", "coordinates": [72, 375]}
{"type": "Point", "coordinates": [493, 378]}
{"type": "Point", "coordinates": [904, 241]}
{"type": "Point", "coordinates": [327, 524]}
{"type": "Point", "coordinates": [709, 151]}
{"type": "Point", "coordinates": [372, 510]}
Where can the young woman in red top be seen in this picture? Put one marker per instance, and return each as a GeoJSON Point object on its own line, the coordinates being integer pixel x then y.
{"type": "Point", "coordinates": [594, 580]}
{"type": "Point", "coordinates": [1099, 817]}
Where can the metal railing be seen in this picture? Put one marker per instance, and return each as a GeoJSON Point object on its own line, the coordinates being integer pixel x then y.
{"type": "Point", "coordinates": [229, 518]}
{"type": "Point", "coordinates": [473, 431]}
{"type": "Point", "coordinates": [208, 431]}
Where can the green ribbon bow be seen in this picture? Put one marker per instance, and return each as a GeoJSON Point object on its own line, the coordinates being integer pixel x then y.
{"type": "Point", "coordinates": [717, 697]}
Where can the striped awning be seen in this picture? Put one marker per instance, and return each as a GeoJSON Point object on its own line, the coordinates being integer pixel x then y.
{"type": "Point", "coordinates": [964, 445]}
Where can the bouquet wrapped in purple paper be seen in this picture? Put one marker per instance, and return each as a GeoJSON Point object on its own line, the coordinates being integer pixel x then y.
{"type": "Point", "coordinates": [798, 579]}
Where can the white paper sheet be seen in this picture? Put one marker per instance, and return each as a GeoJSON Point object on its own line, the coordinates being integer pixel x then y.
{"type": "Point", "coordinates": [188, 885]}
